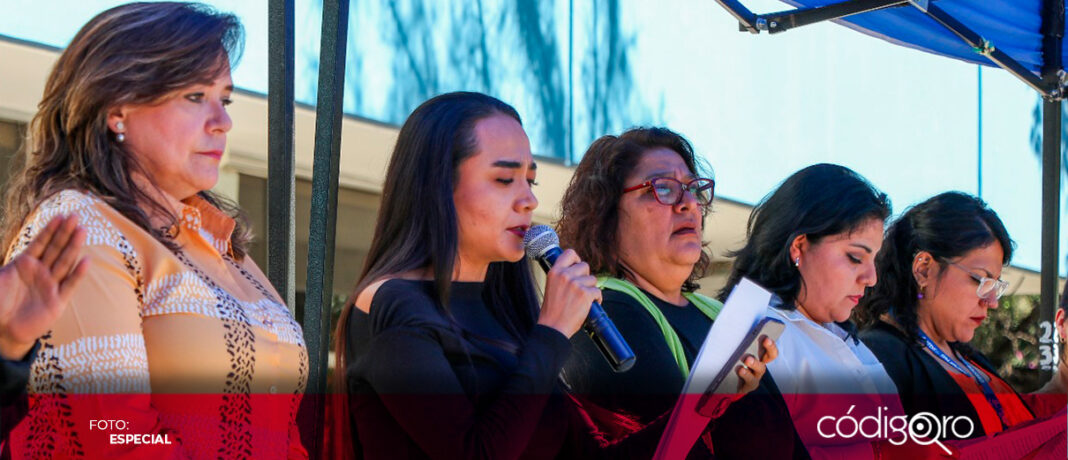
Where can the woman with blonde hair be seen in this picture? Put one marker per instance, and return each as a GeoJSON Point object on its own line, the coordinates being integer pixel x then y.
{"type": "Point", "coordinates": [174, 331]}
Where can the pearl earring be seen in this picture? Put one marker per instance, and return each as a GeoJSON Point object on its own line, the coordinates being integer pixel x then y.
{"type": "Point", "coordinates": [797, 262]}
{"type": "Point", "coordinates": [120, 136]}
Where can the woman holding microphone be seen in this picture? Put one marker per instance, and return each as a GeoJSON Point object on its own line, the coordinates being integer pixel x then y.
{"type": "Point", "coordinates": [443, 351]}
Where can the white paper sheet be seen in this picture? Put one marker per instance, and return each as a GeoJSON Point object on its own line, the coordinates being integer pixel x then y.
{"type": "Point", "coordinates": [745, 307]}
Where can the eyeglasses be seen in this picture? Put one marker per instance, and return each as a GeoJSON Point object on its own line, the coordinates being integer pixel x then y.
{"type": "Point", "coordinates": [668, 190]}
{"type": "Point", "coordinates": [988, 287]}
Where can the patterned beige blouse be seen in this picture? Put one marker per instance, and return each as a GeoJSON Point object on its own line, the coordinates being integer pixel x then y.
{"type": "Point", "coordinates": [190, 344]}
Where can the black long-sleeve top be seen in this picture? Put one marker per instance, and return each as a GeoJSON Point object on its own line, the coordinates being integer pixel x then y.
{"type": "Point", "coordinates": [756, 426]}
{"type": "Point", "coordinates": [424, 386]}
{"type": "Point", "coordinates": [651, 387]}
{"type": "Point", "coordinates": [922, 383]}
{"type": "Point", "coordinates": [14, 375]}
{"type": "Point", "coordinates": [13, 378]}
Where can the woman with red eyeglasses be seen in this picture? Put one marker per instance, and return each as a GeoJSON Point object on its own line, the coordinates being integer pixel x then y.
{"type": "Point", "coordinates": [634, 211]}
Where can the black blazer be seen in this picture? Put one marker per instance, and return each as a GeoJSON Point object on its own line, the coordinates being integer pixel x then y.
{"type": "Point", "coordinates": [13, 378]}
{"type": "Point", "coordinates": [922, 383]}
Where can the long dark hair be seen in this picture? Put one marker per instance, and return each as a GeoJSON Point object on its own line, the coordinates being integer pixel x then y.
{"type": "Point", "coordinates": [417, 224]}
{"type": "Point", "coordinates": [947, 225]}
{"type": "Point", "coordinates": [136, 53]}
{"type": "Point", "coordinates": [817, 201]}
{"type": "Point", "coordinates": [590, 207]}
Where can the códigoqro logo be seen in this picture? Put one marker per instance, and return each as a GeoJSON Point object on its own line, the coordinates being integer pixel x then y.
{"type": "Point", "coordinates": [923, 428]}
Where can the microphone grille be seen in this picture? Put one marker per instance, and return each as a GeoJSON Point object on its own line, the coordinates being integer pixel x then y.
{"type": "Point", "coordinates": [539, 239]}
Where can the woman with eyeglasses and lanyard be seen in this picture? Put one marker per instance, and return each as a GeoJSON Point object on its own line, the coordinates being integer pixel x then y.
{"type": "Point", "coordinates": [635, 212]}
{"type": "Point", "coordinates": [939, 275]}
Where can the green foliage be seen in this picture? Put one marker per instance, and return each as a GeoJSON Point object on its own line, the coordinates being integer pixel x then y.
{"type": "Point", "coordinates": [1010, 339]}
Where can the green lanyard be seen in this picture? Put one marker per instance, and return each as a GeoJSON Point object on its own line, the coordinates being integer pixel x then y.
{"type": "Point", "coordinates": [710, 307]}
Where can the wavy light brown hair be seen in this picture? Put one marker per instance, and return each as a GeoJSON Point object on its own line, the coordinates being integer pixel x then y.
{"type": "Point", "coordinates": [589, 221]}
{"type": "Point", "coordinates": [139, 53]}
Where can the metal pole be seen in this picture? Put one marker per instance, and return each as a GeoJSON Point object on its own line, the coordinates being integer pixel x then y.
{"type": "Point", "coordinates": [990, 51]}
{"type": "Point", "coordinates": [979, 132]}
{"type": "Point", "coordinates": [1051, 186]}
{"type": "Point", "coordinates": [281, 232]}
{"type": "Point", "coordinates": [317, 306]}
{"type": "Point", "coordinates": [786, 20]}
{"type": "Point", "coordinates": [1053, 34]}
{"type": "Point", "coordinates": [569, 154]}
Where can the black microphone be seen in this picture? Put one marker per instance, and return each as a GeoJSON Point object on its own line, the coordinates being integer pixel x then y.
{"type": "Point", "coordinates": [543, 245]}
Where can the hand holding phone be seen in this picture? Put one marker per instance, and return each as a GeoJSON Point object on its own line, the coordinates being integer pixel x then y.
{"type": "Point", "coordinates": [746, 370]}
{"type": "Point", "coordinates": [730, 379]}
{"type": "Point", "coordinates": [752, 369]}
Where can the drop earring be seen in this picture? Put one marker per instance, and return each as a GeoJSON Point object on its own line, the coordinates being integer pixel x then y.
{"type": "Point", "coordinates": [797, 262]}
{"type": "Point", "coordinates": [120, 136]}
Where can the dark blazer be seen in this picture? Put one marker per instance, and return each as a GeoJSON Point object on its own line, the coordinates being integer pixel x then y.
{"type": "Point", "coordinates": [922, 383]}
{"type": "Point", "coordinates": [756, 426]}
{"type": "Point", "coordinates": [13, 378]}
{"type": "Point", "coordinates": [423, 384]}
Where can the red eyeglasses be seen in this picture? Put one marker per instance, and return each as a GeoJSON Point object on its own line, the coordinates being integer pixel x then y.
{"type": "Point", "coordinates": [668, 190]}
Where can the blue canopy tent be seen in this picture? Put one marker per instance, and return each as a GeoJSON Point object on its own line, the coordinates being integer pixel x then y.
{"type": "Point", "coordinates": [1023, 37]}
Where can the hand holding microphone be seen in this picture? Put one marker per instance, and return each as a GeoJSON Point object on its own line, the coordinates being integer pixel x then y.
{"type": "Point", "coordinates": [572, 297]}
{"type": "Point", "coordinates": [569, 292]}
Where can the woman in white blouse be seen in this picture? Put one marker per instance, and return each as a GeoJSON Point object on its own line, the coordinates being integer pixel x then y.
{"type": "Point", "coordinates": [812, 242]}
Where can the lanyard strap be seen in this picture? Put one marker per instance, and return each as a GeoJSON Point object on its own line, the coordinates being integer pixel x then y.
{"type": "Point", "coordinates": [709, 307]}
{"type": "Point", "coordinates": [970, 371]}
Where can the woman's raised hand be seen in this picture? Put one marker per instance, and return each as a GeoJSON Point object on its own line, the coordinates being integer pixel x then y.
{"type": "Point", "coordinates": [36, 286]}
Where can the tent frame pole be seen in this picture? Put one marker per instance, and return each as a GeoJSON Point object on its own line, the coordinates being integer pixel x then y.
{"type": "Point", "coordinates": [987, 49]}
{"type": "Point", "coordinates": [281, 230]}
{"type": "Point", "coordinates": [1051, 175]}
{"type": "Point", "coordinates": [786, 20]}
{"type": "Point", "coordinates": [323, 223]}
{"type": "Point", "coordinates": [1052, 112]}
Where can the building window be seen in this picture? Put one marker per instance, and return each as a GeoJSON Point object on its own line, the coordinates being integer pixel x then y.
{"type": "Point", "coordinates": [12, 135]}
{"type": "Point", "coordinates": [357, 212]}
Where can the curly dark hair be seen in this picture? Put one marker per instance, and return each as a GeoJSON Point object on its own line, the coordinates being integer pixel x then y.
{"type": "Point", "coordinates": [817, 201]}
{"type": "Point", "coordinates": [590, 208]}
{"type": "Point", "coordinates": [948, 226]}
